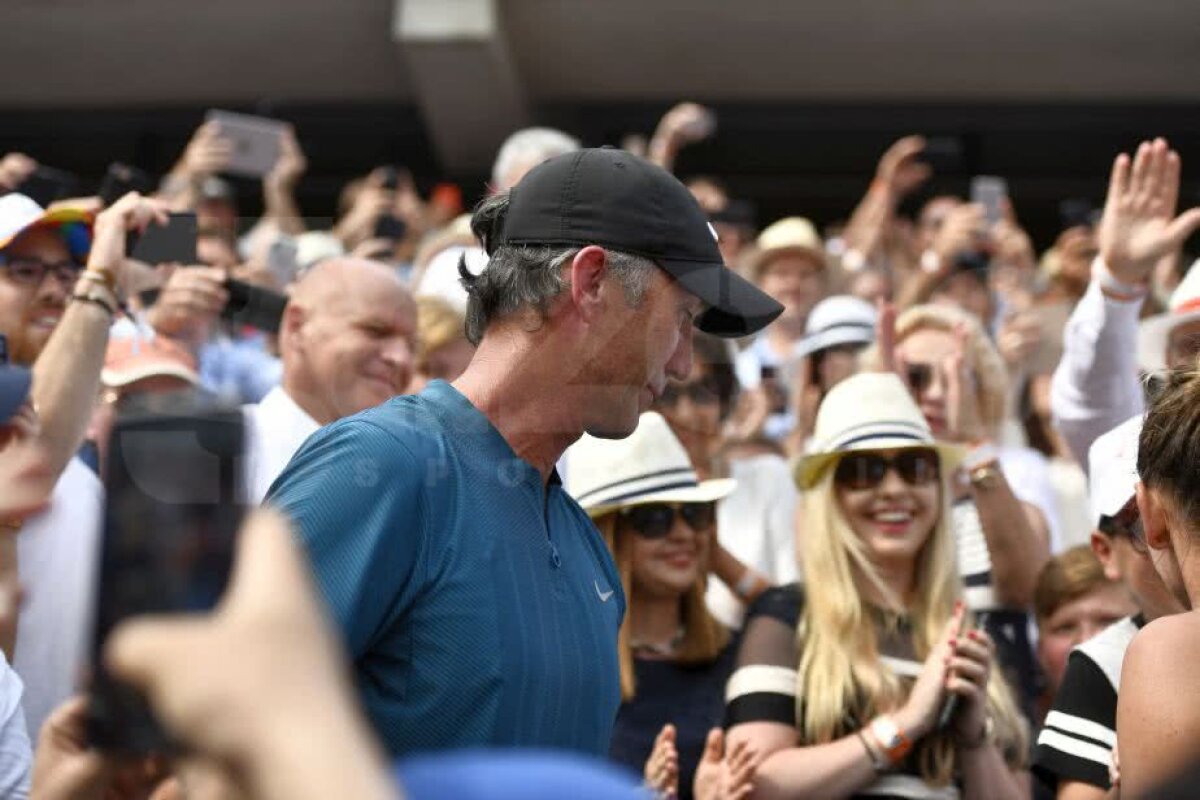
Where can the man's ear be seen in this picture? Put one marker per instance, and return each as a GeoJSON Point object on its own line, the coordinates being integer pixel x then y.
{"type": "Point", "coordinates": [1155, 521]}
{"type": "Point", "coordinates": [587, 272]}
{"type": "Point", "coordinates": [294, 316]}
{"type": "Point", "coordinates": [1102, 546]}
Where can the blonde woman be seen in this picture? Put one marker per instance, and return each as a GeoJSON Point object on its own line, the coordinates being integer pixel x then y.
{"type": "Point", "coordinates": [660, 522]}
{"type": "Point", "coordinates": [872, 680]}
{"type": "Point", "coordinates": [1002, 502]}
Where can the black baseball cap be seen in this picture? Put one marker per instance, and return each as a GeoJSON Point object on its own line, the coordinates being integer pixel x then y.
{"type": "Point", "coordinates": [611, 198]}
{"type": "Point", "coordinates": [14, 384]}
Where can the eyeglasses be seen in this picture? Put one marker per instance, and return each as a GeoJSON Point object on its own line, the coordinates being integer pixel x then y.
{"type": "Point", "coordinates": [654, 520]}
{"type": "Point", "coordinates": [1126, 522]}
{"type": "Point", "coordinates": [32, 271]}
{"type": "Point", "coordinates": [700, 393]}
{"type": "Point", "coordinates": [861, 471]}
{"type": "Point", "coordinates": [920, 377]}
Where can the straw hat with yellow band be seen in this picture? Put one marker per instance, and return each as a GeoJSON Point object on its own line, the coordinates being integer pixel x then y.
{"type": "Point", "coordinates": [869, 411]}
{"type": "Point", "coordinates": [19, 214]}
{"type": "Point", "coordinates": [648, 466]}
{"type": "Point", "coordinates": [790, 235]}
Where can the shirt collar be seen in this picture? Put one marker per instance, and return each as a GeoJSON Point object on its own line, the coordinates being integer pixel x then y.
{"type": "Point", "coordinates": [460, 416]}
{"type": "Point", "coordinates": [279, 406]}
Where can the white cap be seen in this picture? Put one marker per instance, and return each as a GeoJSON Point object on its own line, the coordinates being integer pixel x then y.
{"type": "Point", "coordinates": [441, 278]}
{"type": "Point", "coordinates": [1112, 469]}
{"type": "Point", "coordinates": [841, 319]}
{"type": "Point", "coordinates": [1154, 332]}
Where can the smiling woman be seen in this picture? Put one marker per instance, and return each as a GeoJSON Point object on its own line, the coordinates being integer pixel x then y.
{"type": "Point", "coordinates": [890, 677]}
{"type": "Point", "coordinates": [660, 522]}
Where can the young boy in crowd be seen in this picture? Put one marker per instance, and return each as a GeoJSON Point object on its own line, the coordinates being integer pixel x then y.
{"type": "Point", "coordinates": [1076, 746]}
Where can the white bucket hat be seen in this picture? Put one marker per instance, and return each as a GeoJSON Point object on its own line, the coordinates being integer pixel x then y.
{"type": "Point", "coordinates": [648, 466]}
{"type": "Point", "coordinates": [1112, 469]}
{"type": "Point", "coordinates": [1154, 332]}
{"type": "Point", "coordinates": [838, 320]}
{"type": "Point", "coordinates": [868, 411]}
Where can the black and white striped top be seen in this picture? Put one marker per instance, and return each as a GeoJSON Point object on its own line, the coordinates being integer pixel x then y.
{"type": "Point", "coordinates": [1080, 731]}
{"type": "Point", "coordinates": [763, 685]}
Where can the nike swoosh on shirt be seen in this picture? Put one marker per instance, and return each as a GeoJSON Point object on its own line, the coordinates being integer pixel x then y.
{"type": "Point", "coordinates": [602, 595]}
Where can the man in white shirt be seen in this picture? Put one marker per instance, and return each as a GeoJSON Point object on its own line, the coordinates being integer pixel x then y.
{"type": "Point", "coordinates": [1096, 386]}
{"type": "Point", "coordinates": [346, 342]}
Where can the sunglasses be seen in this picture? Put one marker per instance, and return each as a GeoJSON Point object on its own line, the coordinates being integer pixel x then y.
{"type": "Point", "coordinates": [699, 393]}
{"type": "Point", "coordinates": [32, 271]}
{"type": "Point", "coordinates": [1126, 522]}
{"type": "Point", "coordinates": [654, 520]}
{"type": "Point", "coordinates": [860, 471]}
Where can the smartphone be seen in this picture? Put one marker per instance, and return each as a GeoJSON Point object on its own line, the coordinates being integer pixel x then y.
{"type": "Point", "coordinates": [281, 260]}
{"type": "Point", "coordinates": [254, 306]}
{"type": "Point", "coordinates": [173, 243]}
{"type": "Point", "coordinates": [769, 379]}
{"type": "Point", "coordinates": [255, 141]}
{"type": "Point", "coordinates": [171, 519]}
{"type": "Point", "coordinates": [120, 180]}
{"type": "Point", "coordinates": [48, 184]}
{"type": "Point", "coordinates": [389, 227]}
{"type": "Point", "coordinates": [943, 154]}
{"type": "Point", "coordinates": [991, 193]}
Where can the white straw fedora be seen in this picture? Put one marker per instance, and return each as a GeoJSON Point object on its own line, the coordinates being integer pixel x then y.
{"type": "Point", "coordinates": [1154, 332]}
{"type": "Point", "coordinates": [648, 466]}
{"type": "Point", "coordinates": [868, 411]}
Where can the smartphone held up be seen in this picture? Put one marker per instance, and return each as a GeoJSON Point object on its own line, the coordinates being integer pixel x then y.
{"type": "Point", "coordinates": [174, 507]}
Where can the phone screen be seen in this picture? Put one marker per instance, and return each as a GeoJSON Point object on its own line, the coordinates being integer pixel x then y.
{"type": "Point", "coordinates": [990, 192]}
{"type": "Point", "coordinates": [173, 509]}
{"type": "Point", "coordinates": [255, 141]}
{"type": "Point", "coordinates": [173, 243]}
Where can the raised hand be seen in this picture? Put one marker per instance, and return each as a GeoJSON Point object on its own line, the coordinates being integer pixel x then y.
{"type": "Point", "coordinates": [207, 153]}
{"type": "Point", "coordinates": [900, 168]}
{"type": "Point", "coordinates": [1139, 225]}
{"type": "Point", "coordinates": [661, 772]}
{"type": "Point", "coordinates": [725, 776]}
{"type": "Point", "coordinates": [14, 169]}
{"type": "Point", "coordinates": [962, 394]}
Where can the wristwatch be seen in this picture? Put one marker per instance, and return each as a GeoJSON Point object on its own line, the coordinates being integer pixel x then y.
{"type": "Point", "coordinates": [985, 476]}
{"type": "Point", "coordinates": [895, 744]}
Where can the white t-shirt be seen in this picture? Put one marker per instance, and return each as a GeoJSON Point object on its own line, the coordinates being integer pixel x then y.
{"type": "Point", "coordinates": [275, 429]}
{"type": "Point", "coordinates": [16, 756]}
{"type": "Point", "coordinates": [756, 523]}
{"type": "Point", "coordinates": [57, 554]}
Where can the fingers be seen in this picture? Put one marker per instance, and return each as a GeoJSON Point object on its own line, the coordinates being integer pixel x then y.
{"type": "Point", "coordinates": [885, 334]}
{"type": "Point", "coordinates": [1141, 166]}
{"type": "Point", "coordinates": [714, 746]}
{"type": "Point", "coordinates": [1156, 168]}
{"type": "Point", "coordinates": [1183, 226]}
{"type": "Point", "coordinates": [1118, 181]}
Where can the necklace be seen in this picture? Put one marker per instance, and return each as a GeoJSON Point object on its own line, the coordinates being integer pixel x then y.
{"type": "Point", "coordinates": [659, 648]}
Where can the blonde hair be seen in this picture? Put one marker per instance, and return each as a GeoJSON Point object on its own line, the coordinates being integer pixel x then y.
{"type": "Point", "coordinates": [980, 356]}
{"type": "Point", "coordinates": [438, 324]}
{"type": "Point", "coordinates": [840, 675]}
{"type": "Point", "coordinates": [703, 637]}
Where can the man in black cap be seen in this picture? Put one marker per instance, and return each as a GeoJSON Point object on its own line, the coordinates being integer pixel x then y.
{"type": "Point", "coordinates": [480, 604]}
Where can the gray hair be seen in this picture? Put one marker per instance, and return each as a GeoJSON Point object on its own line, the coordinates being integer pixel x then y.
{"type": "Point", "coordinates": [529, 147]}
{"type": "Point", "coordinates": [521, 277]}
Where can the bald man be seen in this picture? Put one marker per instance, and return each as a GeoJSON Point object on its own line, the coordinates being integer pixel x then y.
{"type": "Point", "coordinates": [347, 343]}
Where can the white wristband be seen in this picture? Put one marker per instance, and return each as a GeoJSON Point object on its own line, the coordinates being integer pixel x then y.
{"type": "Point", "coordinates": [979, 455]}
{"type": "Point", "coordinates": [1114, 288]}
{"type": "Point", "coordinates": [931, 262]}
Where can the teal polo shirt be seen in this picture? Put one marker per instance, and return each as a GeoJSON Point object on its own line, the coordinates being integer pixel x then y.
{"type": "Point", "coordinates": [480, 606]}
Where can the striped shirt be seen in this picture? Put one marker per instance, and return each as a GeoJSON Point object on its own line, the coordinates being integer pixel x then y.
{"type": "Point", "coordinates": [763, 685]}
{"type": "Point", "coordinates": [1080, 732]}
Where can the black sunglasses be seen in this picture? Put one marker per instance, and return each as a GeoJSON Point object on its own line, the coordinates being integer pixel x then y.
{"type": "Point", "coordinates": [1126, 522]}
{"type": "Point", "coordinates": [654, 520]}
{"type": "Point", "coordinates": [859, 471]}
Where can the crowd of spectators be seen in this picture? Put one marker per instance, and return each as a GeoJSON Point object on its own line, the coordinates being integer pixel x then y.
{"type": "Point", "coordinates": [922, 530]}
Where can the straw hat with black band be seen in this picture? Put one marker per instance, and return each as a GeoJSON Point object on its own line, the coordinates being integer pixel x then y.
{"type": "Point", "coordinates": [648, 466]}
{"type": "Point", "coordinates": [869, 411]}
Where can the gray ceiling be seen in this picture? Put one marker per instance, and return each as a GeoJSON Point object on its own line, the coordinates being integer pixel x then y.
{"type": "Point", "coordinates": [135, 52]}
